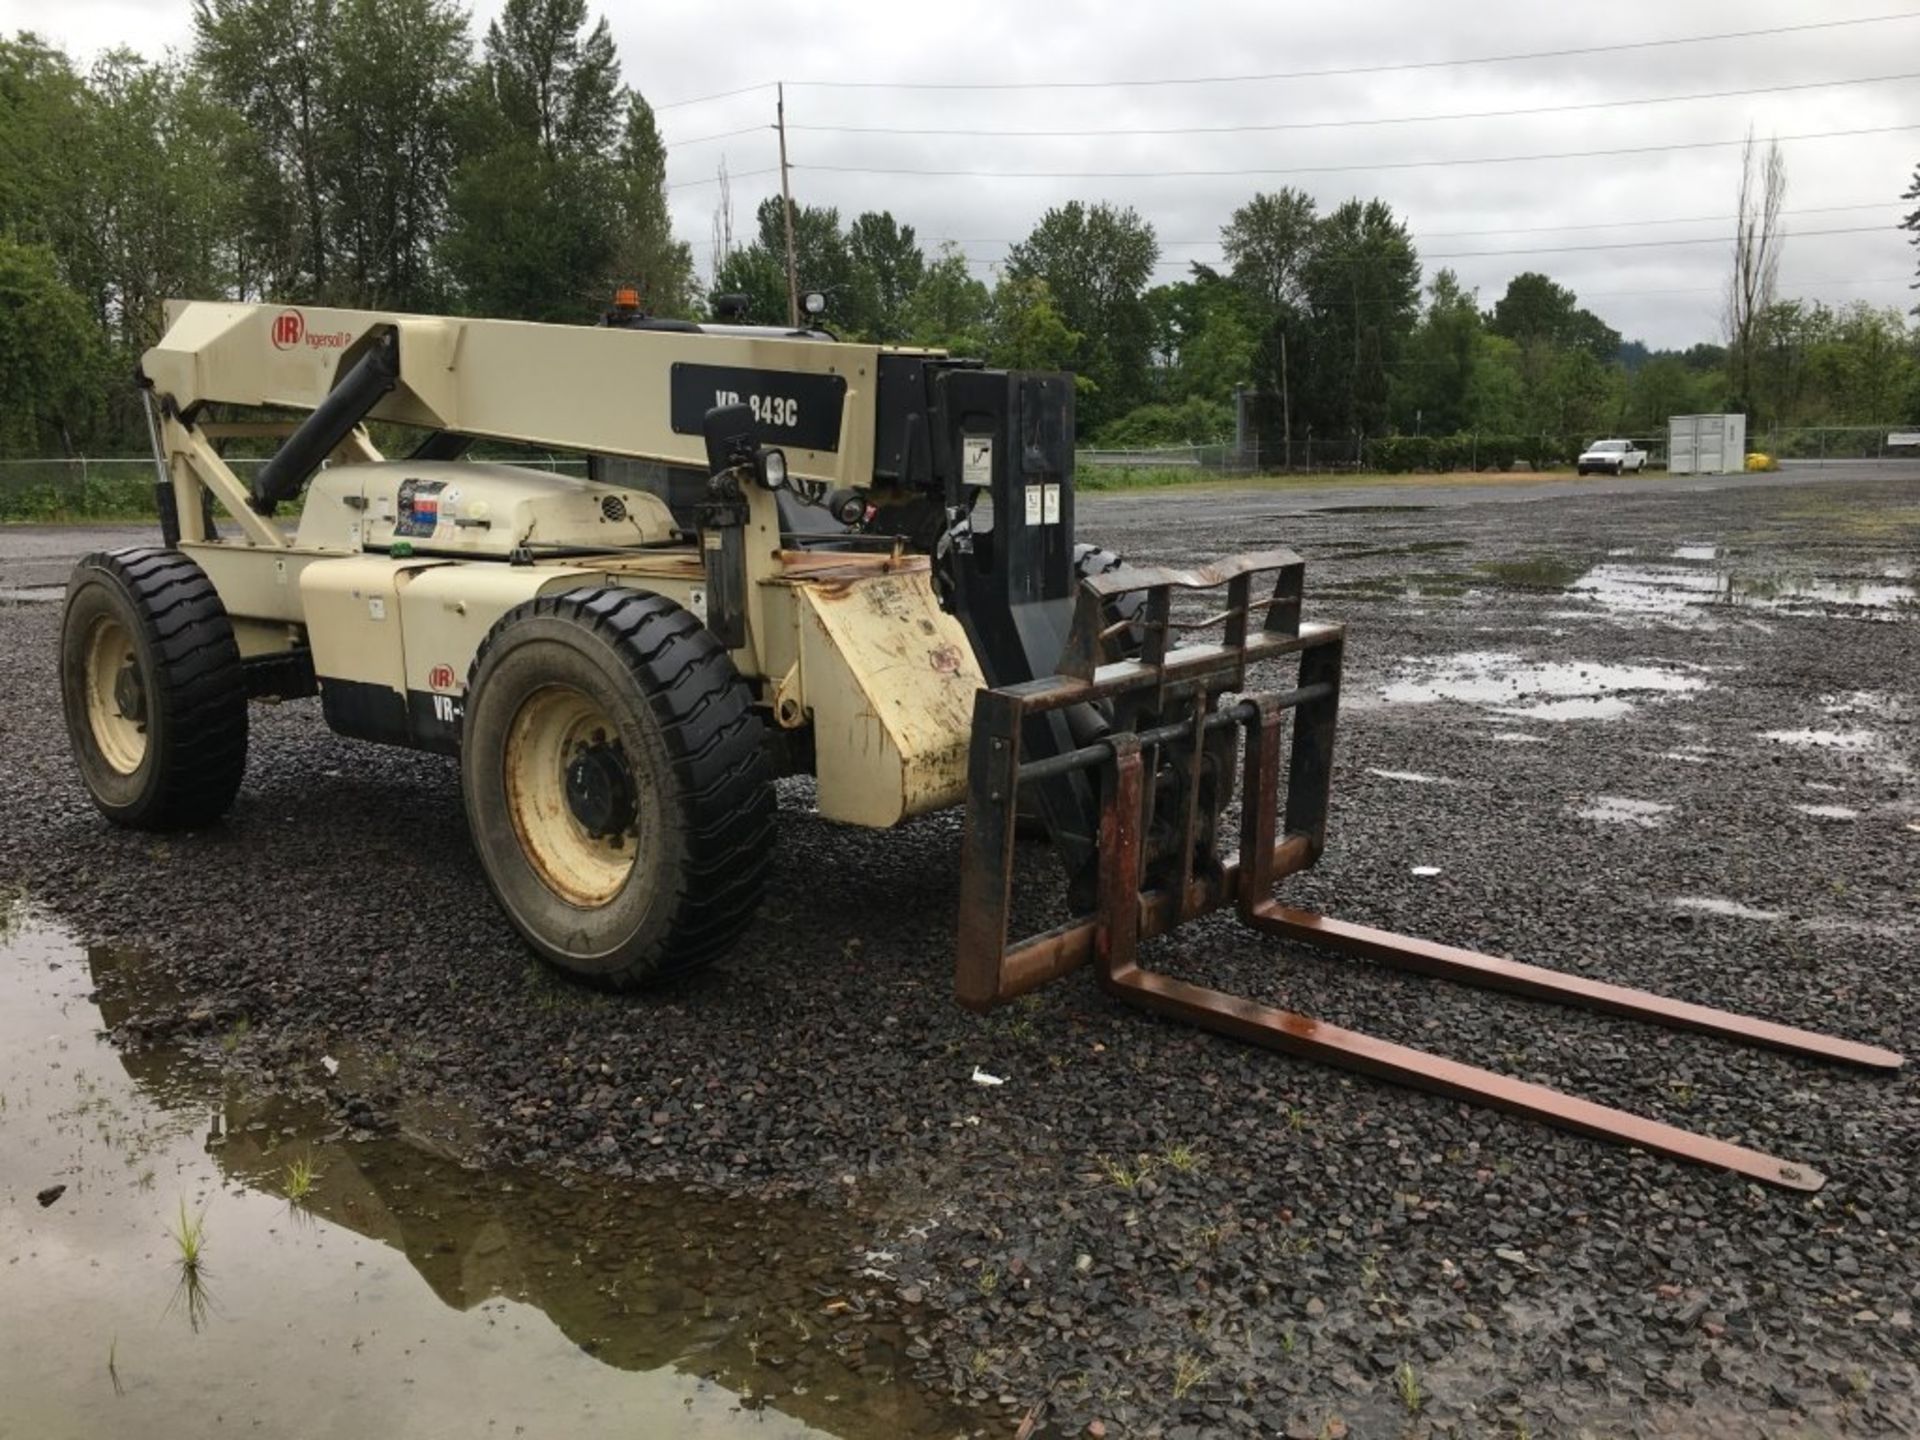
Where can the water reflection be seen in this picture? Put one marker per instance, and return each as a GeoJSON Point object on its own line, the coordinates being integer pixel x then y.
{"type": "Point", "coordinates": [176, 1280]}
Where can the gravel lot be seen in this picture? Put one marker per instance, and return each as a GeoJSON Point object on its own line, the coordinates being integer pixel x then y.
{"type": "Point", "coordinates": [1152, 1228]}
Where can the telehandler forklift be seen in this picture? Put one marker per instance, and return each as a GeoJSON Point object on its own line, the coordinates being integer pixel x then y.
{"type": "Point", "coordinates": [834, 559]}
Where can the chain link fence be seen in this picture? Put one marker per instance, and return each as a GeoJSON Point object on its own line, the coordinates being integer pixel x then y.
{"type": "Point", "coordinates": [122, 487]}
{"type": "Point", "coordinates": [1815, 445]}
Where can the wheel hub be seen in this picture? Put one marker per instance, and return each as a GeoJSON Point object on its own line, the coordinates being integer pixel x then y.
{"type": "Point", "coordinates": [129, 694]}
{"type": "Point", "coordinates": [600, 791]}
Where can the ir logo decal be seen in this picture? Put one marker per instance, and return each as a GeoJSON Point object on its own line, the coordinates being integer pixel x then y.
{"type": "Point", "coordinates": [289, 328]}
{"type": "Point", "coordinates": [440, 677]}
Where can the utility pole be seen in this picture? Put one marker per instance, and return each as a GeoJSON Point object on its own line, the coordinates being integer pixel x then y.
{"type": "Point", "coordinates": [1286, 409]}
{"type": "Point", "coordinates": [786, 209]}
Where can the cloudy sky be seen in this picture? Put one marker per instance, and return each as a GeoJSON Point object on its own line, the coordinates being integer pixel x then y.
{"type": "Point", "coordinates": [884, 91]}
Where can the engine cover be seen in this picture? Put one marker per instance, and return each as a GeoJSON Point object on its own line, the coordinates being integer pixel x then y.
{"type": "Point", "coordinates": [472, 508]}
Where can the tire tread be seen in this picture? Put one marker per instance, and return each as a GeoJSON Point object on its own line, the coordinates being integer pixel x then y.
{"type": "Point", "coordinates": [716, 741]}
{"type": "Point", "coordinates": [198, 684]}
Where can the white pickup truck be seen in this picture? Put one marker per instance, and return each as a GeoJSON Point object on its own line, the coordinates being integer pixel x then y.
{"type": "Point", "coordinates": [1611, 457]}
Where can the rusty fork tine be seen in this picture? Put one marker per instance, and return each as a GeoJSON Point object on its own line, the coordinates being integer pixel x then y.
{"type": "Point", "coordinates": [1470, 967]}
{"type": "Point", "coordinates": [1310, 1039]}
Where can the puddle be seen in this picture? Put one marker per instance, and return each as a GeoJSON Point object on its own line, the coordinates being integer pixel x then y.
{"type": "Point", "coordinates": [1367, 509]}
{"type": "Point", "coordinates": [1730, 909]}
{"type": "Point", "coordinates": [1674, 592]}
{"type": "Point", "coordinates": [1829, 812]}
{"type": "Point", "coordinates": [1543, 690]}
{"type": "Point", "coordinates": [1367, 549]}
{"type": "Point", "coordinates": [1542, 572]}
{"type": "Point", "coordinates": [1412, 777]}
{"type": "Point", "coordinates": [1861, 702]}
{"type": "Point", "coordinates": [1823, 739]}
{"type": "Point", "coordinates": [405, 1294]}
{"type": "Point", "coordinates": [1620, 810]}
{"type": "Point", "coordinates": [1517, 737]}
{"type": "Point", "coordinates": [32, 594]}
{"type": "Point", "coordinates": [1696, 552]}
{"type": "Point", "coordinates": [1437, 585]}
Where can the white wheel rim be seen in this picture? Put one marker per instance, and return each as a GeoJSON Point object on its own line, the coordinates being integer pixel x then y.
{"type": "Point", "coordinates": [552, 727]}
{"type": "Point", "coordinates": [115, 686]}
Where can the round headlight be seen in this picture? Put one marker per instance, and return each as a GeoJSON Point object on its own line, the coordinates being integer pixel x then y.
{"type": "Point", "coordinates": [814, 303]}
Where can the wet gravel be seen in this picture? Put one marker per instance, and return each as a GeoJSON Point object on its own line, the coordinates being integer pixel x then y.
{"type": "Point", "coordinates": [1146, 1230]}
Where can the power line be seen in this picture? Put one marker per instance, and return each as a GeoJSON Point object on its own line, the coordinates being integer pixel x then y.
{"type": "Point", "coordinates": [1380, 69]}
{"type": "Point", "coordinates": [1565, 249]}
{"type": "Point", "coordinates": [732, 175]}
{"type": "Point", "coordinates": [717, 95]}
{"type": "Point", "coordinates": [1611, 224]}
{"type": "Point", "coordinates": [1337, 169]}
{"type": "Point", "coordinates": [1717, 289]}
{"type": "Point", "coordinates": [1503, 230]}
{"type": "Point", "coordinates": [1425, 235]}
{"type": "Point", "coordinates": [1336, 124]}
{"type": "Point", "coordinates": [1384, 68]}
{"type": "Point", "coordinates": [1888, 229]}
{"type": "Point", "coordinates": [724, 135]}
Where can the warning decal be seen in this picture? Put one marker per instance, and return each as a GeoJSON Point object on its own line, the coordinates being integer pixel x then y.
{"type": "Point", "coordinates": [419, 508]}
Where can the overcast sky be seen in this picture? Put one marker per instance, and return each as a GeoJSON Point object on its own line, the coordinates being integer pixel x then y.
{"type": "Point", "coordinates": [1665, 294]}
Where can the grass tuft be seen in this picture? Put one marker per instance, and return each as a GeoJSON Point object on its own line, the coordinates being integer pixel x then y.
{"type": "Point", "coordinates": [190, 1238]}
{"type": "Point", "coordinates": [1406, 1385]}
{"type": "Point", "coordinates": [1181, 1158]}
{"type": "Point", "coordinates": [1188, 1371]}
{"type": "Point", "coordinates": [300, 1178]}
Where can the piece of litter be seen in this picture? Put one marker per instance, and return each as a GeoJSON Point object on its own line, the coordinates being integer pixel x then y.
{"type": "Point", "coordinates": [981, 1077]}
{"type": "Point", "coordinates": [1426, 869]}
{"type": "Point", "coordinates": [331, 1065]}
{"type": "Point", "coordinates": [1914, 828]}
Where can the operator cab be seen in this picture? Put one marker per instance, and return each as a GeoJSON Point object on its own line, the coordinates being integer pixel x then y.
{"type": "Point", "coordinates": [683, 488]}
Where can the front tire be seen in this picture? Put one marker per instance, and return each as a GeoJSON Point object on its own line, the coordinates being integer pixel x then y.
{"type": "Point", "coordinates": [617, 785]}
{"type": "Point", "coordinates": [153, 690]}
{"type": "Point", "coordinates": [1128, 608]}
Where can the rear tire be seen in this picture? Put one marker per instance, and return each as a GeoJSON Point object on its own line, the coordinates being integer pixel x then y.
{"type": "Point", "coordinates": [617, 785]}
{"type": "Point", "coordinates": [153, 690]}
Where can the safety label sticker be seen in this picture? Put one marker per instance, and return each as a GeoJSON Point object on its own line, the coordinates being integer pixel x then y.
{"type": "Point", "coordinates": [419, 508]}
{"type": "Point", "coordinates": [976, 460]}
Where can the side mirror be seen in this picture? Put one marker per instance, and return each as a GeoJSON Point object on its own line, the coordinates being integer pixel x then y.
{"type": "Point", "coordinates": [729, 434]}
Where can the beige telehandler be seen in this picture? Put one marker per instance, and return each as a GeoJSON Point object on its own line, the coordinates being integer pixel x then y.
{"type": "Point", "coordinates": [789, 555]}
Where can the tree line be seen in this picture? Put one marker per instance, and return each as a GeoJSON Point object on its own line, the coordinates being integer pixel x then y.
{"type": "Point", "coordinates": [373, 153]}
